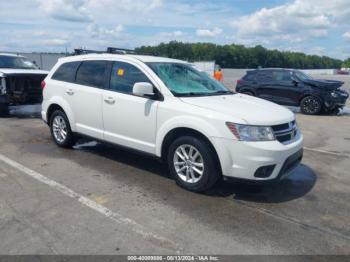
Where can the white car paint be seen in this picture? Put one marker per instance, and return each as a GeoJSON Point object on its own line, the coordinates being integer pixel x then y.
{"type": "Point", "coordinates": [142, 124]}
{"type": "Point", "coordinates": [8, 71]}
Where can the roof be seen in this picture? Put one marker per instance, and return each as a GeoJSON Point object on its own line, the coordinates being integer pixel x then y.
{"type": "Point", "coordinates": [8, 54]}
{"type": "Point", "coordinates": [143, 58]}
{"type": "Point", "coordinates": [269, 69]}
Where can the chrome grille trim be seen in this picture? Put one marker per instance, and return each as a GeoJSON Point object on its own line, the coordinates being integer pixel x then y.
{"type": "Point", "coordinates": [287, 135]}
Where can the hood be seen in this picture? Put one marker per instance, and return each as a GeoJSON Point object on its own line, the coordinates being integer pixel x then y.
{"type": "Point", "coordinates": [323, 83]}
{"type": "Point", "coordinates": [252, 110]}
{"type": "Point", "coordinates": [10, 71]}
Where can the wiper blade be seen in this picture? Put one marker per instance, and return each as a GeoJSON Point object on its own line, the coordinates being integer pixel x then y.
{"type": "Point", "coordinates": [222, 92]}
{"type": "Point", "coordinates": [191, 94]}
{"type": "Point", "coordinates": [202, 93]}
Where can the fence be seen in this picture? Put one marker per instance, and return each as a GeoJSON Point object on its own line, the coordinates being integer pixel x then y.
{"type": "Point", "coordinates": [43, 60]}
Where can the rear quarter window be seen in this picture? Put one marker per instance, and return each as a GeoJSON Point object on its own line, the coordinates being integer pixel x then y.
{"type": "Point", "coordinates": [66, 72]}
{"type": "Point", "coordinates": [249, 77]}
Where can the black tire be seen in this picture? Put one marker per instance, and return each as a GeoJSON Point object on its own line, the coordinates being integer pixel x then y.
{"type": "Point", "coordinates": [249, 93]}
{"type": "Point", "coordinates": [211, 172]}
{"type": "Point", "coordinates": [4, 110]}
{"type": "Point", "coordinates": [310, 105]}
{"type": "Point", "coordinates": [69, 139]}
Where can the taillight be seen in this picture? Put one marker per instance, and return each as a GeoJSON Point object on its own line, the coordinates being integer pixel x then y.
{"type": "Point", "coordinates": [239, 81]}
{"type": "Point", "coordinates": [43, 84]}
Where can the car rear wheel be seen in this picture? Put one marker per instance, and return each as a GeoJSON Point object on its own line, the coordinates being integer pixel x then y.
{"type": "Point", "coordinates": [60, 130]}
{"type": "Point", "coordinates": [193, 164]}
{"type": "Point", "coordinates": [310, 105]}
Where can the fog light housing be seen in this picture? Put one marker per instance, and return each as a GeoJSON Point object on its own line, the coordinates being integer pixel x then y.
{"type": "Point", "coordinates": [264, 171]}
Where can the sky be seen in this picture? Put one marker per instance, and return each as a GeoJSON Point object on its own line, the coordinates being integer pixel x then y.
{"type": "Point", "coordinates": [320, 27]}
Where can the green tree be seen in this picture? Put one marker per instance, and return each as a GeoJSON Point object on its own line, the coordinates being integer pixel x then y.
{"type": "Point", "coordinates": [239, 56]}
{"type": "Point", "coordinates": [346, 63]}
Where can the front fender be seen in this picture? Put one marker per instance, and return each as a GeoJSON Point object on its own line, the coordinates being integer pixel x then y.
{"type": "Point", "coordinates": [191, 122]}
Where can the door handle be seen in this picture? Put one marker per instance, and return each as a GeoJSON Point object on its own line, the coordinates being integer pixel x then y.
{"type": "Point", "coordinates": [109, 100]}
{"type": "Point", "coordinates": [70, 92]}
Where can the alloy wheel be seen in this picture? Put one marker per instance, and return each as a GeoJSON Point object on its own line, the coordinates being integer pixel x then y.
{"type": "Point", "coordinates": [188, 163]}
{"type": "Point", "coordinates": [311, 105]}
{"type": "Point", "coordinates": [59, 129]}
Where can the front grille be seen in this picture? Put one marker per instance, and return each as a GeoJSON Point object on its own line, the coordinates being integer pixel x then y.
{"type": "Point", "coordinates": [24, 88]}
{"type": "Point", "coordinates": [285, 133]}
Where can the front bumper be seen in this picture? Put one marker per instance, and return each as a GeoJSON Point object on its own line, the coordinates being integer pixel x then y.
{"type": "Point", "coordinates": [339, 101]}
{"type": "Point", "coordinates": [241, 160]}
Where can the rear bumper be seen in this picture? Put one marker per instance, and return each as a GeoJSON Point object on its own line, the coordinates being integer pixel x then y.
{"type": "Point", "coordinates": [44, 117]}
{"type": "Point", "coordinates": [243, 160]}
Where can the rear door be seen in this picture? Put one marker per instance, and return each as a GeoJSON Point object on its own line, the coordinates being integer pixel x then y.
{"type": "Point", "coordinates": [85, 97]}
{"type": "Point", "coordinates": [129, 120]}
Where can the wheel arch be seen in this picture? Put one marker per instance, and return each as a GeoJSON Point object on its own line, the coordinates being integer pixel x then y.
{"type": "Point", "coordinates": [177, 132]}
{"type": "Point", "coordinates": [60, 104]}
{"type": "Point", "coordinates": [310, 94]}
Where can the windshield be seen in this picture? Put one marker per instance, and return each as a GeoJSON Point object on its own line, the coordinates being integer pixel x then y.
{"type": "Point", "coordinates": [184, 80]}
{"type": "Point", "coordinates": [302, 76]}
{"type": "Point", "coordinates": [16, 62]}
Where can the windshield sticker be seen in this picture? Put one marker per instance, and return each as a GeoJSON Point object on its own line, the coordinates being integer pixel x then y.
{"type": "Point", "coordinates": [120, 72]}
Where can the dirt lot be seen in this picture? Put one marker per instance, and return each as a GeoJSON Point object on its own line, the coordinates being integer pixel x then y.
{"type": "Point", "coordinates": [97, 199]}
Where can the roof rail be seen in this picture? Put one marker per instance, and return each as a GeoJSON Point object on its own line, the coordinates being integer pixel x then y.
{"type": "Point", "coordinates": [121, 51]}
{"type": "Point", "coordinates": [80, 51]}
{"type": "Point", "coordinates": [110, 50]}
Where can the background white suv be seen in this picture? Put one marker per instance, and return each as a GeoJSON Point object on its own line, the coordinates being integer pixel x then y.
{"type": "Point", "coordinates": [166, 108]}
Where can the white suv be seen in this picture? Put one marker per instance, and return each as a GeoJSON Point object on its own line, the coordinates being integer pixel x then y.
{"type": "Point", "coordinates": [168, 109]}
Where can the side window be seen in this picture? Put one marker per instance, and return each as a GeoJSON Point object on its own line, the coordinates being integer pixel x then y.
{"type": "Point", "coordinates": [92, 73]}
{"type": "Point", "coordinates": [66, 72]}
{"type": "Point", "coordinates": [264, 77]}
{"type": "Point", "coordinates": [249, 77]}
{"type": "Point", "coordinates": [282, 76]}
{"type": "Point", "coordinates": [124, 76]}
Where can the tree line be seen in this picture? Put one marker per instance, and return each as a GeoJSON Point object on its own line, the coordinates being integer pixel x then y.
{"type": "Point", "coordinates": [239, 56]}
{"type": "Point", "coordinates": [346, 63]}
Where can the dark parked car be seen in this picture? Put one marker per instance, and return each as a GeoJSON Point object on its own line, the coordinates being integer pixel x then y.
{"type": "Point", "coordinates": [20, 81]}
{"type": "Point", "coordinates": [294, 88]}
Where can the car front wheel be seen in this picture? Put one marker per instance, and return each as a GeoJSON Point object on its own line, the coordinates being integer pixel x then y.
{"type": "Point", "coordinates": [60, 130]}
{"type": "Point", "coordinates": [193, 164]}
{"type": "Point", "coordinates": [310, 105]}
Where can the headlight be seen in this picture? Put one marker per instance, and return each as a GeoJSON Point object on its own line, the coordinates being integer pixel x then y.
{"type": "Point", "coordinates": [334, 94]}
{"type": "Point", "coordinates": [251, 133]}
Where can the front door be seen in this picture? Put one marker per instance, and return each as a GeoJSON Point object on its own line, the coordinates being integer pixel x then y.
{"type": "Point", "coordinates": [284, 90]}
{"type": "Point", "coordinates": [129, 120]}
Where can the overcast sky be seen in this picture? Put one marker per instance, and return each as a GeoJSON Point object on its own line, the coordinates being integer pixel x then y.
{"type": "Point", "coordinates": [319, 27]}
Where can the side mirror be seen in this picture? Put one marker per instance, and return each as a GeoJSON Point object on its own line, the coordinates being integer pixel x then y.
{"type": "Point", "coordinates": [295, 82]}
{"type": "Point", "coordinates": [143, 89]}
